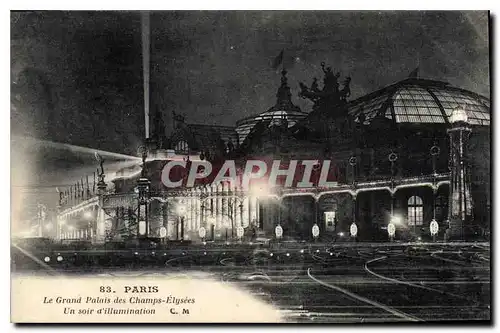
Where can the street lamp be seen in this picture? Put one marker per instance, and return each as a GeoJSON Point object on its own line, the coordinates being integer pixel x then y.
{"type": "Point", "coordinates": [315, 231]}
{"type": "Point", "coordinates": [391, 227]}
{"type": "Point", "coordinates": [391, 230]}
{"type": "Point", "coordinates": [143, 186]}
{"type": "Point", "coordinates": [181, 211]}
{"type": "Point", "coordinates": [41, 216]}
{"type": "Point", "coordinates": [48, 227]}
{"type": "Point", "coordinates": [211, 224]}
{"type": "Point", "coordinates": [259, 190]}
{"type": "Point", "coordinates": [227, 222]}
{"type": "Point", "coordinates": [352, 163]}
{"type": "Point", "coordinates": [460, 198]}
{"type": "Point", "coordinates": [434, 229]}
{"type": "Point", "coordinates": [62, 223]}
{"type": "Point", "coordinates": [88, 216]}
{"type": "Point", "coordinates": [71, 230]}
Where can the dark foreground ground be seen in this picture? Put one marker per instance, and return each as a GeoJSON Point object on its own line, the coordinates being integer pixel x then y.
{"type": "Point", "coordinates": [313, 284]}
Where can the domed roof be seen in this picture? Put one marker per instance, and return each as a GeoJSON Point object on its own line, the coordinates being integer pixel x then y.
{"type": "Point", "coordinates": [284, 109]}
{"type": "Point", "coordinates": [271, 117]}
{"type": "Point", "coordinates": [421, 101]}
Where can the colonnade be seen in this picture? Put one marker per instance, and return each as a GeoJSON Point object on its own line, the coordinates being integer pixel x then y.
{"type": "Point", "coordinates": [223, 206]}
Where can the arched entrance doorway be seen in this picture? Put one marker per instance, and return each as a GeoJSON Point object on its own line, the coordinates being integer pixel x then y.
{"type": "Point", "coordinates": [297, 216]}
{"type": "Point", "coordinates": [335, 214]}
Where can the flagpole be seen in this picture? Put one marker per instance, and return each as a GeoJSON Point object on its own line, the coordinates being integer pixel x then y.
{"type": "Point", "coordinates": [146, 49]}
{"type": "Point", "coordinates": [283, 61]}
{"type": "Point", "coordinates": [87, 193]}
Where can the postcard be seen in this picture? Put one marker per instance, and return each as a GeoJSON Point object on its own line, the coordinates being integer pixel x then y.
{"type": "Point", "coordinates": [250, 167]}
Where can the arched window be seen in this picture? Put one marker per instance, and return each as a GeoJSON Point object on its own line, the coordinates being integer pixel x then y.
{"type": "Point", "coordinates": [415, 211]}
{"type": "Point", "coordinates": [182, 147]}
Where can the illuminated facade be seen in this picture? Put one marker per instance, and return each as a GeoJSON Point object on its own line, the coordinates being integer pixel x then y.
{"type": "Point", "coordinates": [390, 153]}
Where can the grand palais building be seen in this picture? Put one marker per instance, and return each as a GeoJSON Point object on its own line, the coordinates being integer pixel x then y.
{"type": "Point", "coordinates": [412, 153]}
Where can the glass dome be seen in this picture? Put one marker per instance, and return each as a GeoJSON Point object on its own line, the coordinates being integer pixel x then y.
{"type": "Point", "coordinates": [268, 118]}
{"type": "Point", "coordinates": [283, 110]}
{"type": "Point", "coordinates": [422, 101]}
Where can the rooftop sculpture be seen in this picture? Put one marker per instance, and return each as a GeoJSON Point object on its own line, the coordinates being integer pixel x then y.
{"type": "Point", "coordinates": [331, 94]}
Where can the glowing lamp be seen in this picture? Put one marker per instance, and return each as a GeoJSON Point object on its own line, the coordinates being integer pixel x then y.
{"type": "Point", "coordinates": [458, 115]}
{"type": "Point", "coordinates": [259, 190]}
{"type": "Point", "coordinates": [142, 227]}
{"type": "Point", "coordinates": [396, 220]}
{"type": "Point", "coordinates": [211, 220]}
{"type": "Point", "coordinates": [181, 209]}
{"type": "Point", "coordinates": [226, 221]}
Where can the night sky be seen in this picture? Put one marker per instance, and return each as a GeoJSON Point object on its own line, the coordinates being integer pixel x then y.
{"type": "Point", "coordinates": [79, 74]}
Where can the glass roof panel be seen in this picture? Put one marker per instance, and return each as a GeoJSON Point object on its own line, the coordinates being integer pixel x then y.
{"type": "Point", "coordinates": [423, 110]}
{"type": "Point", "coordinates": [475, 114]}
{"type": "Point", "coordinates": [410, 102]}
{"type": "Point", "coordinates": [245, 126]}
{"type": "Point", "coordinates": [418, 104]}
{"type": "Point", "coordinates": [401, 118]}
{"type": "Point", "coordinates": [411, 109]}
{"type": "Point", "coordinates": [414, 103]}
{"type": "Point", "coordinates": [435, 111]}
{"type": "Point", "coordinates": [369, 104]}
{"type": "Point", "coordinates": [426, 119]}
{"type": "Point", "coordinates": [485, 101]}
{"type": "Point", "coordinates": [473, 105]}
{"type": "Point", "coordinates": [399, 110]}
{"type": "Point", "coordinates": [448, 105]}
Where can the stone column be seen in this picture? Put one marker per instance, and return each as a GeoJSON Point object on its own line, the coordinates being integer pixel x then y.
{"type": "Point", "coordinates": [143, 185]}
{"type": "Point", "coordinates": [101, 216]}
{"type": "Point", "coordinates": [197, 215]}
{"type": "Point", "coordinates": [164, 212]}
{"type": "Point", "coordinates": [244, 212]}
{"type": "Point", "coordinates": [191, 211]}
{"type": "Point", "coordinates": [249, 208]}
{"type": "Point", "coordinates": [225, 206]}
{"type": "Point", "coordinates": [218, 207]}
